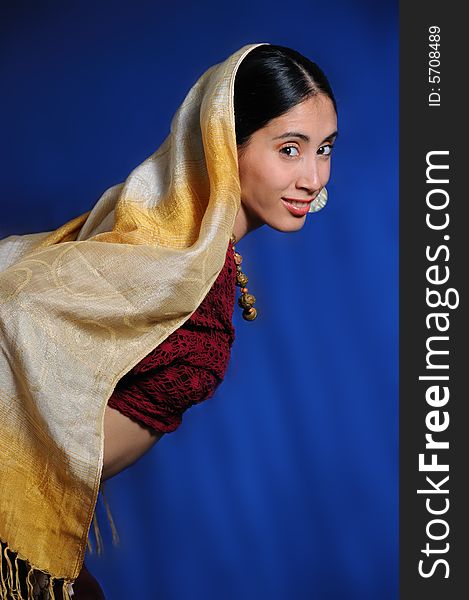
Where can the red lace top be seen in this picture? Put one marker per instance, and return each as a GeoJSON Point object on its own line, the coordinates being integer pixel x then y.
{"type": "Point", "coordinates": [187, 367]}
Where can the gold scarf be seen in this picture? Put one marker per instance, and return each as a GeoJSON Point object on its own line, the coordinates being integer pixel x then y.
{"type": "Point", "coordinates": [76, 314]}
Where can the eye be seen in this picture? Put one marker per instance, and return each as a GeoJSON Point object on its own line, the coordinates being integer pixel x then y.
{"type": "Point", "coordinates": [325, 150]}
{"type": "Point", "coordinates": [289, 148]}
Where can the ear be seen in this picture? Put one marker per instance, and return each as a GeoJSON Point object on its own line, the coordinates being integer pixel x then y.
{"type": "Point", "coordinates": [319, 202]}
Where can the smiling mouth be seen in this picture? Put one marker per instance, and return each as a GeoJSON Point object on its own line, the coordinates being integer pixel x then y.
{"type": "Point", "coordinates": [297, 207]}
{"type": "Point", "coordinates": [298, 203]}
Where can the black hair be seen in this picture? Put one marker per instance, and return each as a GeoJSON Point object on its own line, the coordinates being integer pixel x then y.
{"type": "Point", "coordinates": [270, 81]}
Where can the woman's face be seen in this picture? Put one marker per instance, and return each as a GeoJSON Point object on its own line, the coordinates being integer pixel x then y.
{"type": "Point", "coordinates": [285, 166]}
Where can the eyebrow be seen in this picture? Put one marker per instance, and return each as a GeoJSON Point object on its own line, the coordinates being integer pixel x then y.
{"type": "Point", "coordinates": [304, 137]}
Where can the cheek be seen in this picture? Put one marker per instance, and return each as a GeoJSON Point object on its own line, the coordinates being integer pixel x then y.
{"type": "Point", "coordinates": [277, 175]}
{"type": "Point", "coordinates": [326, 172]}
{"type": "Point", "coordinates": [261, 180]}
{"type": "Point", "coordinates": [254, 178]}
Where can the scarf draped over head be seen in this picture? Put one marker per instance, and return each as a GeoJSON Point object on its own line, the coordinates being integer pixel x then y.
{"type": "Point", "coordinates": [82, 305]}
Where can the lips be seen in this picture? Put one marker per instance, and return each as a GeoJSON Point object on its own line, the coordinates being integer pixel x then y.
{"type": "Point", "coordinates": [297, 207]}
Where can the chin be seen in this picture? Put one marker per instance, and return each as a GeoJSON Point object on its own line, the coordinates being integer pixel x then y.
{"type": "Point", "coordinates": [289, 225]}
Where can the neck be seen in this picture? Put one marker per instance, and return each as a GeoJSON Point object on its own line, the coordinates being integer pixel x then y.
{"type": "Point", "coordinates": [245, 222]}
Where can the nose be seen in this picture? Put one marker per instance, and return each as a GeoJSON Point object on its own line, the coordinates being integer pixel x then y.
{"type": "Point", "coordinates": [310, 177]}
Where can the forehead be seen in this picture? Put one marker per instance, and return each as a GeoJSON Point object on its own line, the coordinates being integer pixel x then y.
{"type": "Point", "coordinates": [315, 117]}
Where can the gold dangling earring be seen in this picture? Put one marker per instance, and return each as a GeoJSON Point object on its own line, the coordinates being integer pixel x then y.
{"type": "Point", "coordinates": [245, 301]}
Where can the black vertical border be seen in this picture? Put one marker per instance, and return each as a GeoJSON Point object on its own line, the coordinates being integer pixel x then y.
{"type": "Point", "coordinates": [423, 129]}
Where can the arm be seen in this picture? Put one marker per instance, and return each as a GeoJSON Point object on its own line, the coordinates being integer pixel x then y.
{"type": "Point", "coordinates": [125, 441]}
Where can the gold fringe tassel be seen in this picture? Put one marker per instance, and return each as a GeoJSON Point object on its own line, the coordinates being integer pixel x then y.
{"type": "Point", "coordinates": [96, 527]}
{"type": "Point", "coordinates": [115, 534]}
{"type": "Point", "coordinates": [29, 583]}
{"type": "Point", "coordinates": [2, 574]}
{"type": "Point", "coordinates": [37, 585]}
{"type": "Point", "coordinates": [97, 534]}
{"type": "Point", "coordinates": [9, 581]}
{"type": "Point", "coordinates": [2, 577]}
{"type": "Point", "coordinates": [17, 580]}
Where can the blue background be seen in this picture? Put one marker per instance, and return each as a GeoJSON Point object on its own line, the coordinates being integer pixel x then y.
{"type": "Point", "coordinates": [285, 484]}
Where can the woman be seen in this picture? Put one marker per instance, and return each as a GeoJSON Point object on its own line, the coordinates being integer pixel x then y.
{"type": "Point", "coordinates": [250, 145]}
